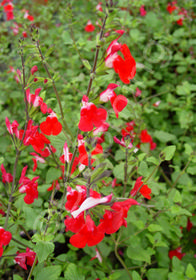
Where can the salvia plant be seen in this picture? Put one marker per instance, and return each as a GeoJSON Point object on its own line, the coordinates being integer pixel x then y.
{"type": "Point", "coordinates": [98, 140]}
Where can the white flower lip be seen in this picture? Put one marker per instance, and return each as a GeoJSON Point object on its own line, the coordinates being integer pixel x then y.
{"type": "Point", "coordinates": [91, 202]}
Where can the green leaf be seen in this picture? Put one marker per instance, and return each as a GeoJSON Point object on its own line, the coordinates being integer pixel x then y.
{"type": "Point", "coordinates": [155, 227]}
{"type": "Point", "coordinates": [136, 276]}
{"type": "Point", "coordinates": [188, 149]}
{"type": "Point", "coordinates": [17, 277]}
{"type": "Point", "coordinates": [67, 38]}
{"type": "Point", "coordinates": [168, 152]}
{"type": "Point", "coordinates": [177, 265]}
{"type": "Point", "coordinates": [177, 210]}
{"type": "Point", "coordinates": [43, 250]}
{"type": "Point", "coordinates": [139, 254]}
{"type": "Point", "coordinates": [72, 273]}
{"type": "Point", "coordinates": [49, 273]}
{"type": "Point", "coordinates": [176, 276]}
{"type": "Point", "coordinates": [162, 257]}
{"type": "Point", "coordinates": [119, 171]}
{"type": "Point", "coordinates": [152, 21]}
{"type": "Point", "coordinates": [184, 89]}
{"type": "Point", "coordinates": [163, 136]}
{"type": "Point", "coordinates": [86, 64]}
{"type": "Point", "coordinates": [52, 174]}
{"type": "Point", "coordinates": [190, 271]}
{"type": "Point", "coordinates": [153, 160]}
{"type": "Point", "coordinates": [157, 273]}
{"type": "Point", "coordinates": [177, 197]}
{"type": "Point", "coordinates": [120, 154]}
{"type": "Point", "coordinates": [143, 169]}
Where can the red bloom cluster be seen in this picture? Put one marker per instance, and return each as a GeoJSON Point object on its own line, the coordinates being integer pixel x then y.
{"type": "Point", "coordinates": [176, 253]}
{"type": "Point", "coordinates": [171, 7]}
{"type": "Point", "coordinates": [24, 259]}
{"type": "Point", "coordinates": [142, 11]}
{"type": "Point", "coordinates": [37, 101]}
{"type": "Point", "coordinates": [91, 116]}
{"type": "Point", "coordinates": [86, 232]}
{"type": "Point", "coordinates": [17, 73]}
{"type": "Point", "coordinates": [146, 138]}
{"type": "Point", "coordinates": [8, 8]}
{"type": "Point", "coordinates": [5, 238]}
{"type": "Point", "coordinates": [83, 155]}
{"type": "Point", "coordinates": [125, 68]}
{"type": "Point", "coordinates": [141, 188]}
{"type": "Point", "coordinates": [128, 133]}
{"type": "Point", "coordinates": [51, 126]}
{"type": "Point", "coordinates": [28, 186]}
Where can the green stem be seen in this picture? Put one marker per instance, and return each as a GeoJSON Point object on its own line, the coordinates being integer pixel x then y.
{"type": "Point", "coordinates": [32, 268]}
{"type": "Point", "coordinates": [125, 171]}
{"type": "Point", "coordinates": [12, 190]}
{"type": "Point", "coordinates": [55, 90]}
{"type": "Point", "coordinates": [181, 173]}
{"type": "Point", "coordinates": [93, 71]}
{"type": "Point", "coordinates": [21, 243]}
{"type": "Point", "coordinates": [120, 259]}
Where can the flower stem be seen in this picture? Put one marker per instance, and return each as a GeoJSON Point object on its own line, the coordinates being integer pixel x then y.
{"type": "Point", "coordinates": [32, 268]}
{"type": "Point", "coordinates": [56, 92]}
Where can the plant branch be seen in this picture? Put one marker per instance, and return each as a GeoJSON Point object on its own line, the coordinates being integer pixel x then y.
{"type": "Point", "coordinates": [55, 90]}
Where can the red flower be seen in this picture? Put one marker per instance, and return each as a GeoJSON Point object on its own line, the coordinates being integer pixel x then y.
{"type": "Point", "coordinates": [176, 253]}
{"type": "Point", "coordinates": [1, 211]}
{"type": "Point", "coordinates": [28, 186]}
{"type": "Point", "coordinates": [5, 238]}
{"type": "Point", "coordinates": [189, 225]}
{"type": "Point", "coordinates": [6, 177]}
{"type": "Point", "coordinates": [12, 128]}
{"type": "Point", "coordinates": [112, 54]}
{"type": "Point", "coordinates": [89, 27]}
{"type": "Point", "coordinates": [29, 17]}
{"type": "Point", "coordinates": [114, 219]}
{"type": "Point", "coordinates": [8, 8]}
{"type": "Point", "coordinates": [142, 11]}
{"type": "Point", "coordinates": [24, 259]}
{"type": "Point", "coordinates": [146, 138]}
{"type": "Point", "coordinates": [143, 189]}
{"type": "Point", "coordinates": [76, 197]}
{"type": "Point", "coordinates": [51, 126]}
{"type": "Point", "coordinates": [125, 68]}
{"type": "Point", "coordinates": [91, 116]}
{"type": "Point", "coordinates": [74, 224]}
{"type": "Point", "coordinates": [89, 234]}
{"type": "Point", "coordinates": [34, 69]}
{"type": "Point", "coordinates": [98, 7]}
{"type": "Point", "coordinates": [171, 7]}
{"type": "Point", "coordinates": [119, 102]}
{"type": "Point", "coordinates": [83, 155]}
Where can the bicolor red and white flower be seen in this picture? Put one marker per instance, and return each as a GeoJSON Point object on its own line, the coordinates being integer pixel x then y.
{"type": "Point", "coordinates": [89, 27]}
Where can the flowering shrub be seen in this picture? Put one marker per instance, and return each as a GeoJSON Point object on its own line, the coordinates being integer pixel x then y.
{"type": "Point", "coordinates": [98, 140]}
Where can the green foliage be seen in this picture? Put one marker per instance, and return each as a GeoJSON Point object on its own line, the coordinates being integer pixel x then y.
{"type": "Point", "coordinates": [165, 56]}
{"type": "Point", "coordinates": [43, 249]}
